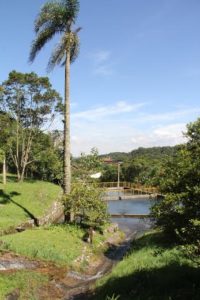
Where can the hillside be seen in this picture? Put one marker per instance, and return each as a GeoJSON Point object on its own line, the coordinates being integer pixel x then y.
{"type": "Point", "coordinates": [26, 200]}
{"type": "Point", "coordinates": [143, 165]}
{"type": "Point", "coordinates": [152, 152]}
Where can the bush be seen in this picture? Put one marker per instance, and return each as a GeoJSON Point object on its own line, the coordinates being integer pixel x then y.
{"type": "Point", "coordinates": [85, 203]}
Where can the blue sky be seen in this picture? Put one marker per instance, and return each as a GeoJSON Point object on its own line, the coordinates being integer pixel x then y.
{"type": "Point", "coordinates": [136, 81]}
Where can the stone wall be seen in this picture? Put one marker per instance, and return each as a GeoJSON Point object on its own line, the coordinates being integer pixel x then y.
{"type": "Point", "coordinates": [53, 214]}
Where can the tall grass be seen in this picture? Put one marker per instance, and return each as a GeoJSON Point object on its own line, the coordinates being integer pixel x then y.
{"type": "Point", "coordinates": [28, 282]}
{"type": "Point", "coordinates": [153, 270]}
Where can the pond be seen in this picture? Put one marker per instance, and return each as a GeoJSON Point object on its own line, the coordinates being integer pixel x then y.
{"type": "Point", "coordinates": [134, 206]}
{"type": "Point", "coordinates": [140, 205]}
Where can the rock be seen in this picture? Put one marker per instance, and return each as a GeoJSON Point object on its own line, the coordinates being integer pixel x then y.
{"type": "Point", "coordinates": [20, 229]}
{"type": "Point", "coordinates": [14, 295]}
{"type": "Point", "coordinates": [112, 228]}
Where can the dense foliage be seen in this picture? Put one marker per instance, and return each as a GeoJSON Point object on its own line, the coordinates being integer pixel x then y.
{"type": "Point", "coordinates": [30, 102]}
{"type": "Point", "coordinates": [143, 165]}
{"type": "Point", "coordinates": [179, 212]}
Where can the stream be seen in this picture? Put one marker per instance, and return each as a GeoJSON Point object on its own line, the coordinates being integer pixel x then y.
{"type": "Point", "coordinates": [132, 227]}
{"type": "Point", "coordinates": [73, 285]}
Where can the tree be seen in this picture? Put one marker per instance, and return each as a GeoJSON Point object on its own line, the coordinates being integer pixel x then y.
{"type": "Point", "coordinates": [30, 102]}
{"type": "Point", "coordinates": [47, 158]}
{"type": "Point", "coordinates": [58, 18]}
{"type": "Point", "coordinates": [85, 202]}
{"type": "Point", "coordinates": [86, 165]}
{"type": "Point", "coordinates": [6, 131]}
{"type": "Point", "coordinates": [179, 212]}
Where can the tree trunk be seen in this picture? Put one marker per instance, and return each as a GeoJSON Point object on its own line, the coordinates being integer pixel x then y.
{"type": "Point", "coordinates": [4, 170]}
{"type": "Point", "coordinates": [22, 174]}
{"type": "Point", "coordinates": [67, 150]}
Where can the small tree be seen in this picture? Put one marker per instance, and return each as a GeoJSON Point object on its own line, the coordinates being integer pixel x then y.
{"type": "Point", "coordinates": [31, 103]}
{"type": "Point", "coordinates": [85, 202]}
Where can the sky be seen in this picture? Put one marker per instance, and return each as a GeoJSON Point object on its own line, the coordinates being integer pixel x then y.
{"type": "Point", "coordinates": [136, 82]}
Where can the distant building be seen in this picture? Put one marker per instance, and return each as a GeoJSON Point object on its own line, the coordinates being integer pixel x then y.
{"type": "Point", "coordinates": [108, 160]}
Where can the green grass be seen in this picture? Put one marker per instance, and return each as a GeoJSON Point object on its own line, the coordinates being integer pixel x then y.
{"type": "Point", "coordinates": [154, 270]}
{"type": "Point", "coordinates": [60, 244]}
{"type": "Point", "coordinates": [22, 201]}
{"type": "Point", "coordinates": [27, 282]}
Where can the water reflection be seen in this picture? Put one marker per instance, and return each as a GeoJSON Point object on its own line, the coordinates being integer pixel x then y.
{"type": "Point", "coordinates": [135, 206]}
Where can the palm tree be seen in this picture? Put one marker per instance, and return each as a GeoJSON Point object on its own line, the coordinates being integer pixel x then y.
{"type": "Point", "coordinates": [58, 17]}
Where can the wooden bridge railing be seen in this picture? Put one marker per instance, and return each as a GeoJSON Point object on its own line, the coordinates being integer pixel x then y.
{"type": "Point", "coordinates": [130, 186]}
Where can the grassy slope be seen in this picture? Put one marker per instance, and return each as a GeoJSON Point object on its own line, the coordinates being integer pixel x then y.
{"type": "Point", "coordinates": [27, 282]}
{"type": "Point", "coordinates": [153, 270]}
{"type": "Point", "coordinates": [61, 244]}
{"type": "Point", "coordinates": [22, 201]}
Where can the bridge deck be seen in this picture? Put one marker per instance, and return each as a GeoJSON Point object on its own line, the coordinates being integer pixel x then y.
{"type": "Point", "coordinates": [141, 216]}
{"type": "Point", "coordinates": [128, 197]}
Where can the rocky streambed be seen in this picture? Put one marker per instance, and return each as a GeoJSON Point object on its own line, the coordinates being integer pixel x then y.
{"type": "Point", "coordinates": [67, 283]}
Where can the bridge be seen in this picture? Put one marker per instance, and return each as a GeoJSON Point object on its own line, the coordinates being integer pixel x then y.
{"type": "Point", "coordinates": [138, 216]}
{"type": "Point", "coordinates": [129, 191]}
{"type": "Point", "coordinates": [137, 188]}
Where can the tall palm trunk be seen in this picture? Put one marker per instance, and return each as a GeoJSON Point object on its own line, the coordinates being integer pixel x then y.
{"type": "Point", "coordinates": [67, 148]}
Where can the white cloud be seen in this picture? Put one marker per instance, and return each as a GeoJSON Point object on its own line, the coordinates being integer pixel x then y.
{"type": "Point", "coordinates": [73, 104]}
{"type": "Point", "coordinates": [109, 110]}
{"type": "Point", "coordinates": [102, 63]}
{"type": "Point", "coordinates": [114, 139]}
{"type": "Point", "coordinates": [168, 116]}
{"type": "Point", "coordinates": [105, 70]}
{"type": "Point", "coordinates": [171, 131]}
{"type": "Point", "coordinates": [123, 126]}
{"type": "Point", "coordinates": [101, 56]}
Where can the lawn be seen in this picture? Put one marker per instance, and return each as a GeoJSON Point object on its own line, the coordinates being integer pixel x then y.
{"type": "Point", "coordinates": [61, 244]}
{"type": "Point", "coordinates": [153, 270]}
{"type": "Point", "coordinates": [27, 282]}
{"type": "Point", "coordinates": [22, 201]}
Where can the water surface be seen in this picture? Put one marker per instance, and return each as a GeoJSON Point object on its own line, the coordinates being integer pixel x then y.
{"type": "Point", "coordinates": [133, 206]}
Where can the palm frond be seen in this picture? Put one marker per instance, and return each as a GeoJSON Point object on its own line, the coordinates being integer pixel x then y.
{"type": "Point", "coordinates": [57, 17]}
{"type": "Point", "coordinates": [71, 8]}
{"type": "Point", "coordinates": [58, 54]}
{"type": "Point", "coordinates": [75, 47]}
{"type": "Point", "coordinates": [51, 12]}
{"type": "Point", "coordinates": [41, 39]}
